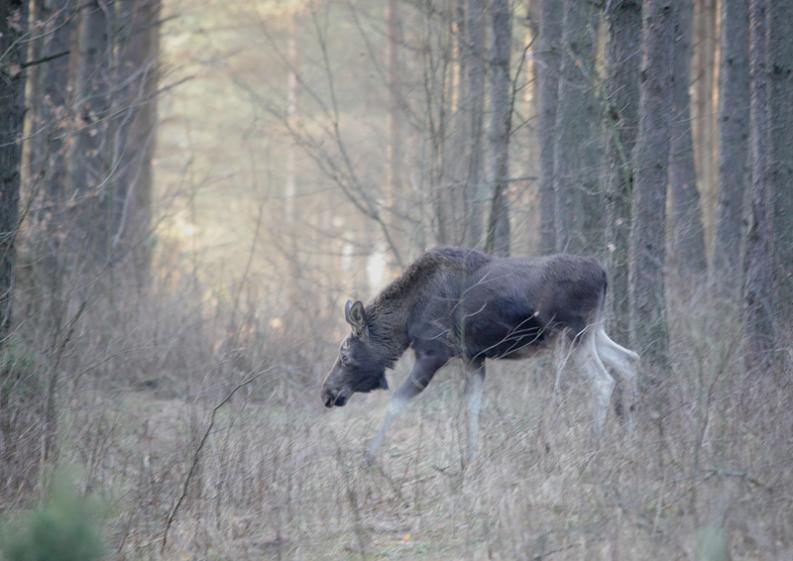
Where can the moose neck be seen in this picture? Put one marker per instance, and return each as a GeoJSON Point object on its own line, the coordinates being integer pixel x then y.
{"type": "Point", "coordinates": [390, 311]}
{"type": "Point", "coordinates": [387, 316]}
{"type": "Point", "coordinates": [387, 325]}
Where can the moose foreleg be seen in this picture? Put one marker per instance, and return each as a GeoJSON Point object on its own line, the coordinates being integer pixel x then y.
{"type": "Point", "coordinates": [475, 379]}
{"type": "Point", "coordinates": [419, 378]}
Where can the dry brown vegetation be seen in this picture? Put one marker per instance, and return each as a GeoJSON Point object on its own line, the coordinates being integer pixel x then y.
{"type": "Point", "coordinates": [174, 255]}
{"type": "Point", "coordinates": [278, 477]}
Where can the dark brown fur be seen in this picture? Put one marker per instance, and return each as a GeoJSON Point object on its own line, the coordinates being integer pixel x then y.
{"type": "Point", "coordinates": [455, 302]}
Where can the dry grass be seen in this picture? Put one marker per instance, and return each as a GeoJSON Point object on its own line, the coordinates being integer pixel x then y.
{"type": "Point", "coordinates": [281, 478]}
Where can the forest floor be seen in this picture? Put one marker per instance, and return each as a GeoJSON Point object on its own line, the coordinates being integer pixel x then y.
{"type": "Point", "coordinates": [285, 479]}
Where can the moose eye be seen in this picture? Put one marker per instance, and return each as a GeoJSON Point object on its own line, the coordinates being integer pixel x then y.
{"type": "Point", "coordinates": [345, 361]}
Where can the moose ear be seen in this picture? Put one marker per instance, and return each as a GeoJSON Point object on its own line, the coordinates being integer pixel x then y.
{"type": "Point", "coordinates": [355, 316]}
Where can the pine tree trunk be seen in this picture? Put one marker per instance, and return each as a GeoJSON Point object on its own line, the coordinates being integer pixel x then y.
{"type": "Point", "coordinates": [456, 194]}
{"type": "Point", "coordinates": [48, 106]}
{"type": "Point", "coordinates": [394, 154]}
{"type": "Point", "coordinates": [293, 93]}
{"type": "Point", "coordinates": [686, 238]}
{"type": "Point", "coordinates": [704, 84]}
{"type": "Point", "coordinates": [474, 103]}
{"type": "Point", "coordinates": [733, 149]}
{"type": "Point", "coordinates": [49, 125]}
{"type": "Point", "coordinates": [498, 231]}
{"type": "Point", "coordinates": [651, 156]}
{"type": "Point", "coordinates": [291, 171]}
{"type": "Point", "coordinates": [138, 73]}
{"type": "Point", "coordinates": [13, 23]}
{"type": "Point", "coordinates": [548, 60]}
{"type": "Point", "coordinates": [576, 154]}
{"type": "Point", "coordinates": [624, 19]}
{"type": "Point", "coordinates": [89, 156]}
{"type": "Point", "coordinates": [758, 290]}
{"type": "Point", "coordinates": [780, 44]}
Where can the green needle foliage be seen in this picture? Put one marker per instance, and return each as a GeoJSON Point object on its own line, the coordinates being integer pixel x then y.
{"type": "Point", "coordinates": [65, 528]}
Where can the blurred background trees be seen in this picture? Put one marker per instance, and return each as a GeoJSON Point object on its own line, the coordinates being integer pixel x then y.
{"type": "Point", "coordinates": [189, 183]}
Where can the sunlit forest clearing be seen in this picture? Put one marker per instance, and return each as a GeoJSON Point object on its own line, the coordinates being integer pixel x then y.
{"type": "Point", "coordinates": [196, 193]}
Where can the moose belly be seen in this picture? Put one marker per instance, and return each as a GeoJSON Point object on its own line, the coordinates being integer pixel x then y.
{"type": "Point", "coordinates": [529, 351]}
{"type": "Point", "coordinates": [513, 337]}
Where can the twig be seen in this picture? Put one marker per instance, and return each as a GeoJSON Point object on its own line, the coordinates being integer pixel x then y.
{"type": "Point", "coordinates": [44, 59]}
{"type": "Point", "coordinates": [197, 455]}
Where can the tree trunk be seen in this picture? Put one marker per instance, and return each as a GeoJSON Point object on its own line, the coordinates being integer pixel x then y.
{"type": "Point", "coordinates": [48, 106]}
{"type": "Point", "coordinates": [758, 290]}
{"type": "Point", "coordinates": [686, 238]}
{"type": "Point", "coordinates": [624, 19]}
{"type": "Point", "coordinates": [290, 184]}
{"type": "Point", "coordinates": [780, 56]}
{"type": "Point", "coordinates": [733, 148]}
{"type": "Point", "coordinates": [575, 149]}
{"type": "Point", "coordinates": [461, 49]}
{"type": "Point", "coordinates": [704, 85]}
{"type": "Point", "coordinates": [49, 87]}
{"type": "Point", "coordinates": [498, 231]}
{"type": "Point", "coordinates": [138, 73]}
{"type": "Point", "coordinates": [13, 24]}
{"type": "Point", "coordinates": [548, 59]}
{"type": "Point", "coordinates": [453, 196]}
{"type": "Point", "coordinates": [88, 158]}
{"type": "Point", "coordinates": [651, 157]}
{"type": "Point", "coordinates": [394, 153]}
{"type": "Point", "coordinates": [474, 104]}
{"type": "Point", "coordinates": [293, 93]}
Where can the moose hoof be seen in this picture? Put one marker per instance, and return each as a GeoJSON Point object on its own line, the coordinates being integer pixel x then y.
{"type": "Point", "coordinates": [369, 459]}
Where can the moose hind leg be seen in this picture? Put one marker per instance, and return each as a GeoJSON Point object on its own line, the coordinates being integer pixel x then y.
{"type": "Point", "coordinates": [624, 363]}
{"type": "Point", "coordinates": [474, 382]}
{"type": "Point", "coordinates": [602, 382]}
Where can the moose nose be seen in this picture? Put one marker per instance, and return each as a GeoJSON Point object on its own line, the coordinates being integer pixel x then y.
{"type": "Point", "coordinates": [333, 398]}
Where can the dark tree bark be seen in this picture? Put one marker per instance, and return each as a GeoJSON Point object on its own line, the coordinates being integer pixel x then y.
{"type": "Point", "coordinates": [447, 225]}
{"type": "Point", "coordinates": [13, 23]}
{"type": "Point", "coordinates": [394, 154]}
{"type": "Point", "coordinates": [89, 168]}
{"type": "Point", "coordinates": [49, 124]}
{"type": "Point", "coordinates": [704, 85]}
{"type": "Point", "coordinates": [624, 20]}
{"type": "Point", "coordinates": [455, 194]}
{"type": "Point", "coordinates": [726, 269]}
{"type": "Point", "coordinates": [474, 105]}
{"type": "Point", "coordinates": [548, 60]}
{"type": "Point", "coordinates": [686, 237]}
{"type": "Point", "coordinates": [651, 156]}
{"type": "Point", "coordinates": [758, 290]}
{"type": "Point", "coordinates": [462, 49]}
{"type": "Point", "coordinates": [576, 153]}
{"type": "Point", "coordinates": [498, 231]}
{"type": "Point", "coordinates": [780, 56]}
{"type": "Point", "coordinates": [137, 78]}
{"type": "Point", "coordinates": [293, 96]}
{"type": "Point", "coordinates": [48, 107]}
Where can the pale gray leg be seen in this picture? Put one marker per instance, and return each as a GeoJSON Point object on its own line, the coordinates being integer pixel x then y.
{"type": "Point", "coordinates": [602, 382]}
{"type": "Point", "coordinates": [624, 362]}
{"type": "Point", "coordinates": [417, 380]}
{"type": "Point", "coordinates": [474, 382]}
{"type": "Point", "coordinates": [562, 351]}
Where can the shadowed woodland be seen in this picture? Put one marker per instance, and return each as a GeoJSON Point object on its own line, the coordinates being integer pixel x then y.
{"type": "Point", "coordinates": [191, 189]}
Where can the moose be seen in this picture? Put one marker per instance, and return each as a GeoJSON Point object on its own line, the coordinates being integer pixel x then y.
{"type": "Point", "coordinates": [462, 303]}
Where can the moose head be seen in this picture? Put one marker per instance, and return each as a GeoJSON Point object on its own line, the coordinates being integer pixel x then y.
{"type": "Point", "coordinates": [361, 364]}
